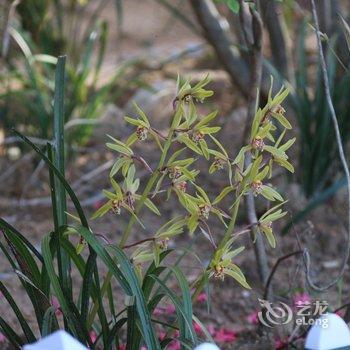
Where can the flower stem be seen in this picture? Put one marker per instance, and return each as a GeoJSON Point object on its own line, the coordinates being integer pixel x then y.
{"type": "Point", "coordinates": [201, 283]}
{"type": "Point", "coordinates": [148, 187]}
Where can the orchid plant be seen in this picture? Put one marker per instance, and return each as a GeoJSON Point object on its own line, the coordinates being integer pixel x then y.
{"type": "Point", "coordinates": [197, 134]}
{"type": "Point", "coordinates": [94, 315]}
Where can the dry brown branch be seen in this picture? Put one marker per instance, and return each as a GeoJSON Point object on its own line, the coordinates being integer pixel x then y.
{"type": "Point", "coordinates": [217, 35]}
{"type": "Point", "coordinates": [278, 43]}
{"type": "Point", "coordinates": [211, 23]}
{"type": "Point", "coordinates": [255, 54]}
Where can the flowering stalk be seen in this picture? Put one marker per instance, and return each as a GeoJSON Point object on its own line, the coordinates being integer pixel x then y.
{"type": "Point", "coordinates": [250, 180]}
{"type": "Point", "coordinates": [150, 182]}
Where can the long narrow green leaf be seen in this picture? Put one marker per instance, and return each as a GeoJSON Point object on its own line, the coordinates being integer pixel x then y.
{"type": "Point", "coordinates": [12, 336]}
{"type": "Point", "coordinates": [6, 226]}
{"type": "Point", "coordinates": [128, 280]}
{"type": "Point", "coordinates": [87, 286]}
{"type": "Point", "coordinates": [96, 293]}
{"type": "Point", "coordinates": [187, 302]}
{"type": "Point", "coordinates": [25, 327]}
{"type": "Point", "coordinates": [50, 323]}
{"type": "Point", "coordinates": [133, 336]}
{"type": "Point", "coordinates": [28, 288]}
{"type": "Point", "coordinates": [59, 192]}
{"type": "Point", "coordinates": [75, 325]}
{"type": "Point", "coordinates": [149, 282]}
{"type": "Point", "coordinates": [58, 143]}
{"type": "Point", "coordinates": [113, 333]}
{"type": "Point", "coordinates": [77, 206]}
{"type": "Point", "coordinates": [57, 173]}
{"type": "Point", "coordinates": [185, 323]}
{"type": "Point", "coordinates": [29, 274]}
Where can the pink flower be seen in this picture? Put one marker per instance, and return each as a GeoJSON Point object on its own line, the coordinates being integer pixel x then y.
{"type": "Point", "coordinates": [301, 299]}
{"type": "Point", "coordinates": [161, 335]}
{"type": "Point", "coordinates": [143, 348]}
{"type": "Point", "coordinates": [340, 313]}
{"type": "Point", "coordinates": [253, 318]}
{"type": "Point", "coordinates": [55, 303]}
{"type": "Point", "coordinates": [224, 335]}
{"type": "Point", "coordinates": [280, 343]}
{"type": "Point", "coordinates": [202, 297]}
{"type": "Point", "coordinates": [2, 338]}
{"type": "Point", "coordinates": [174, 345]}
{"type": "Point", "coordinates": [122, 347]}
{"type": "Point", "coordinates": [211, 330]}
{"type": "Point", "coordinates": [197, 328]}
{"type": "Point", "coordinates": [92, 336]}
{"type": "Point", "coordinates": [170, 309]}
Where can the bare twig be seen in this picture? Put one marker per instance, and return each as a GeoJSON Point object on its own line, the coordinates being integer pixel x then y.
{"type": "Point", "coordinates": [207, 232]}
{"type": "Point", "coordinates": [274, 269]}
{"type": "Point", "coordinates": [15, 139]}
{"type": "Point", "coordinates": [255, 48]}
{"type": "Point", "coordinates": [151, 239]}
{"type": "Point", "coordinates": [306, 254]}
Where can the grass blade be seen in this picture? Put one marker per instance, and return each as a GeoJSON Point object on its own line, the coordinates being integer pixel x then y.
{"type": "Point", "coordinates": [50, 323]}
{"type": "Point", "coordinates": [15, 340]}
{"type": "Point", "coordinates": [75, 326]}
{"type": "Point", "coordinates": [59, 192]}
{"type": "Point", "coordinates": [185, 323]}
{"type": "Point", "coordinates": [58, 174]}
{"type": "Point", "coordinates": [128, 280]}
{"type": "Point", "coordinates": [26, 329]}
{"type": "Point", "coordinates": [187, 302]}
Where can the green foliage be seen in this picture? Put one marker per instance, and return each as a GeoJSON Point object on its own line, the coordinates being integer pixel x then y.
{"type": "Point", "coordinates": [55, 26]}
{"type": "Point", "coordinates": [142, 275]}
{"type": "Point", "coordinates": [27, 97]}
{"type": "Point", "coordinates": [233, 5]}
{"type": "Point", "coordinates": [318, 152]}
{"type": "Point", "coordinates": [319, 162]}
